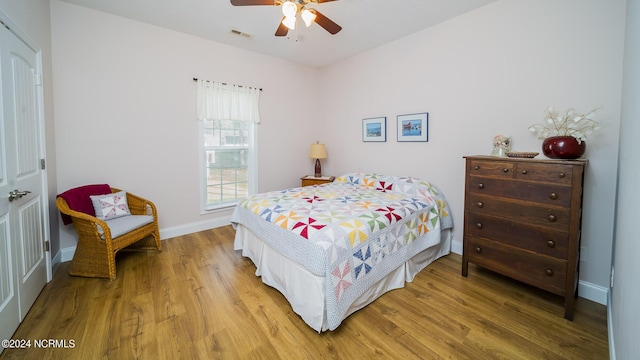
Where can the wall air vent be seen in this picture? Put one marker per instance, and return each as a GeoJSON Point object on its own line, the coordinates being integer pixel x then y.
{"type": "Point", "coordinates": [240, 33]}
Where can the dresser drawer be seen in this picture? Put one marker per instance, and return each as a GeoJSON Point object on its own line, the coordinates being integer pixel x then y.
{"type": "Point", "coordinates": [559, 174]}
{"type": "Point", "coordinates": [544, 193]}
{"type": "Point", "coordinates": [491, 168]}
{"type": "Point", "coordinates": [546, 241]}
{"type": "Point", "coordinates": [538, 270]}
{"type": "Point", "coordinates": [552, 173]}
{"type": "Point", "coordinates": [527, 213]}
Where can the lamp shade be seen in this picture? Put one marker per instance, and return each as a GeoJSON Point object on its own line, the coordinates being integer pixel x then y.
{"type": "Point", "coordinates": [290, 22]}
{"type": "Point", "coordinates": [318, 151]}
{"type": "Point", "coordinates": [308, 17]}
{"type": "Point", "coordinates": [289, 9]}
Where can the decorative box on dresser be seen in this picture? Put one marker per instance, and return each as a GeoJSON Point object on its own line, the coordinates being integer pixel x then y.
{"type": "Point", "coordinates": [522, 219]}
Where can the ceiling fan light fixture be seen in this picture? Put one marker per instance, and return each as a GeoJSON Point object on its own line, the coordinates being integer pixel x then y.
{"type": "Point", "coordinates": [308, 17]}
{"type": "Point", "coordinates": [289, 9]}
{"type": "Point", "coordinates": [290, 22]}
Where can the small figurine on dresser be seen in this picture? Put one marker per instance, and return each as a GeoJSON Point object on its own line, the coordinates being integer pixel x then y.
{"type": "Point", "coordinates": [501, 145]}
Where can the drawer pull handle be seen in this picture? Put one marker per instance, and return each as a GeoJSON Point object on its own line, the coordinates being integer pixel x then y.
{"type": "Point", "coordinates": [524, 172]}
{"type": "Point", "coordinates": [553, 196]}
{"type": "Point", "coordinates": [479, 204]}
{"type": "Point", "coordinates": [562, 175]}
{"type": "Point", "coordinates": [549, 272]}
{"type": "Point", "coordinates": [479, 225]}
{"type": "Point", "coordinates": [477, 249]}
{"type": "Point", "coordinates": [476, 167]}
{"type": "Point", "coordinates": [480, 186]}
{"type": "Point", "coordinates": [505, 170]}
{"type": "Point", "coordinates": [552, 218]}
{"type": "Point", "coordinates": [551, 243]}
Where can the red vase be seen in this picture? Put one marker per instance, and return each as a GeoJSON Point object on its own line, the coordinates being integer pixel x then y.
{"type": "Point", "coordinates": [563, 147]}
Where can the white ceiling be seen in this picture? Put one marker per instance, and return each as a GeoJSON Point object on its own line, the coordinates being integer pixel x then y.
{"type": "Point", "coordinates": [366, 24]}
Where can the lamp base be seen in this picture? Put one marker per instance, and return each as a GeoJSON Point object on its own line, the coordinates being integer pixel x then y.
{"type": "Point", "coordinates": [318, 170]}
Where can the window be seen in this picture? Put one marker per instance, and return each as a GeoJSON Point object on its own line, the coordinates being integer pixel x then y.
{"type": "Point", "coordinates": [229, 116]}
{"type": "Point", "coordinates": [226, 145]}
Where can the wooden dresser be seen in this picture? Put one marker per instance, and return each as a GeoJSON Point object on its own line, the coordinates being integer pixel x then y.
{"type": "Point", "coordinates": [522, 219]}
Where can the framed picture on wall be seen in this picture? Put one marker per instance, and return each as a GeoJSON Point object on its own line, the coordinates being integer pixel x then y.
{"type": "Point", "coordinates": [374, 129]}
{"type": "Point", "coordinates": [413, 127]}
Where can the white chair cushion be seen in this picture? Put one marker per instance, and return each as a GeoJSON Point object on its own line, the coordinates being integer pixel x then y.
{"type": "Point", "coordinates": [122, 225]}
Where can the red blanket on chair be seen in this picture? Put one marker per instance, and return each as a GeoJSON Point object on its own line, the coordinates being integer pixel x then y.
{"type": "Point", "coordinates": [78, 199]}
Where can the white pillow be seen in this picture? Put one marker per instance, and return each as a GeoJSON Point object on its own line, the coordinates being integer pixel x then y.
{"type": "Point", "coordinates": [110, 206]}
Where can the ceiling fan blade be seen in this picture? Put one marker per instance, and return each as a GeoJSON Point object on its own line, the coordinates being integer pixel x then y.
{"type": "Point", "coordinates": [323, 1]}
{"type": "Point", "coordinates": [251, 2]}
{"type": "Point", "coordinates": [326, 23]}
{"type": "Point", "coordinates": [282, 29]}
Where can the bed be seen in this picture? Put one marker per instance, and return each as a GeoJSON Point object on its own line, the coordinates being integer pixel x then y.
{"type": "Point", "coordinates": [332, 249]}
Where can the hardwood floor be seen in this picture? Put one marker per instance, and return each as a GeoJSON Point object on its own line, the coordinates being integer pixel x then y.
{"type": "Point", "coordinates": [200, 299]}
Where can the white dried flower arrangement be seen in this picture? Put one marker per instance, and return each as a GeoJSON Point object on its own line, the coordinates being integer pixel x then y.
{"type": "Point", "coordinates": [570, 124]}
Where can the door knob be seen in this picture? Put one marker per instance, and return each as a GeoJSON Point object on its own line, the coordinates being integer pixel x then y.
{"type": "Point", "coordinates": [17, 194]}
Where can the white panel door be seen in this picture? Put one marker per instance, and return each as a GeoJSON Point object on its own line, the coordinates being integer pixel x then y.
{"type": "Point", "coordinates": [22, 255]}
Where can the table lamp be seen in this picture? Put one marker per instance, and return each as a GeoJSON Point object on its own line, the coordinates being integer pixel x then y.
{"type": "Point", "coordinates": [318, 151]}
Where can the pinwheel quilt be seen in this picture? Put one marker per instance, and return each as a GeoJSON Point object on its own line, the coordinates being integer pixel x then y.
{"type": "Point", "coordinates": [353, 231]}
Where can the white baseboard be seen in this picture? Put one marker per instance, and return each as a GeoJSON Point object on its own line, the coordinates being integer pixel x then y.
{"type": "Point", "coordinates": [66, 254]}
{"type": "Point", "coordinates": [56, 261]}
{"type": "Point", "coordinates": [586, 290]}
{"type": "Point", "coordinates": [168, 233]}
{"type": "Point", "coordinates": [593, 292]}
{"type": "Point", "coordinates": [612, 343]}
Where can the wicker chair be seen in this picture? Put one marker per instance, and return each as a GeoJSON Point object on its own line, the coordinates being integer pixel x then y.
{"type": "Point", "coordinates": [96, 250]}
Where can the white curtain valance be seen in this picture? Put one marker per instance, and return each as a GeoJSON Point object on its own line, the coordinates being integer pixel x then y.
{"type": "Point", "coordinates": [218, 101]}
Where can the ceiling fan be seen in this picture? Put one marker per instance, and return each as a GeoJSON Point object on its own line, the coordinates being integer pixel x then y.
{"type": "Point", "coordinates": [291, 8]}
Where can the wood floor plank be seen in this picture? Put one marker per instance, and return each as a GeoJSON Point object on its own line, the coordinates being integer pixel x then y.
{"type": "Point", "coordinates": [432, 326]}
{"type": "Point", "coordinates": [199, 298]}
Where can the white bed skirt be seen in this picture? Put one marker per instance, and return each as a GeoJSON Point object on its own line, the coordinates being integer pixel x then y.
{"type": "Point", "coordinates": [305, 291]}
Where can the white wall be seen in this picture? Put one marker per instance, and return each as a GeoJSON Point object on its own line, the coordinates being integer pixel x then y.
{"type": "Point", "coordinates": [125, 111]}
{"type": "Point", "coordinates": [491, 71]}
{"type": "Point", "coordinates": [625, 294]}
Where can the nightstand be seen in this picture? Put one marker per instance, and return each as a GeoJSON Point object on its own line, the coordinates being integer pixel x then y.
{"type": "Point", "coordinates": [312, 180]}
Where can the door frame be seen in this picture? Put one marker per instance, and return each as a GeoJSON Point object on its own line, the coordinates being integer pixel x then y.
{"type": "Point", "coordinates": [46, 227]}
